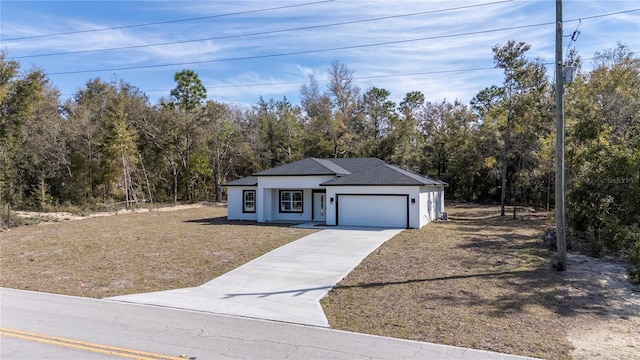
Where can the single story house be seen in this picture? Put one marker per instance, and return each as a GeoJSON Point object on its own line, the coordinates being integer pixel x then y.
{"type": "Point", "coordinates": [340, 191]}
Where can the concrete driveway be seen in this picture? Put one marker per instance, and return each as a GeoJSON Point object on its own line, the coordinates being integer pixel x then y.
{"type": "Point", "coordinates": [285, 284]}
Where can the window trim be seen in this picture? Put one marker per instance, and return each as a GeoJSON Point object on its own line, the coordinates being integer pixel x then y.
{"type": "Point", "coordinates": [244, 201]}
{"type": "Point", "coordinates": [292, 201]}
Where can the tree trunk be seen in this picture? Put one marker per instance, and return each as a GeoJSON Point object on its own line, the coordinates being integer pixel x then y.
{"type": "Point", "coordinates": [216, 180]}
{"type": "Point", "coordinates": [124, 179]}
{"type": "Point", "coordinates": [505, 159]}
{"type": "Point", "coordinates": [503, 176]}
{"type": "Point", "coordinates": [175, 183]}
{"type": "Point", "coordinates": [43, 192]}
{"type": "Point", "coordinates": [146, 178]}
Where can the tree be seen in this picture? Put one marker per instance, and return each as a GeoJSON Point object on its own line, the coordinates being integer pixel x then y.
{"type": "Point", "coordinates": [188, 97]}
{"type": "Point", "coordinates": [31, 152]}
{"type": "Point", "coordinates": [488, 107]}
{"type": "Point", "coordinates": [603, 154]}
{"type": "Point", "coordinates": [280, 132]}
{"type": "Point", "coordinates": [404, 143]}
{"type": "Point", "coordinates": [449, 132]}
{"type": "Point", "coordinates": [11, 126]}
{"type": "Point", "coordinates": [159, 129]}
{"type": "Point", "coordinates": [347, 119]}
{"type": "Point", "coordinates": [189, 92]}
{"type": "Point", "coordinates": [321, 132]}
{"type": "Point", "coordinates": [333, 115]}
{"type": "Point", "coordinates": [525, 88]}
{"type": "Point", "coordinates": [378, 113]}
{"type": "Point", "coordinates": [85, 116]}
{"type": "Point", "coordinates": [119, 142]}
{"type": "Point", "coordinates": [221, 122]}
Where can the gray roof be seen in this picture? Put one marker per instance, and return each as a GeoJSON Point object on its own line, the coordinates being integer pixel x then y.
{"type": "Point", "coordinates": [348, 171]}
{"type": "Point", "coordinates": [354, 165]}
{"type": "Point", "coordinates": [305, 167]}
{"type": "Point", "coordinates": [245, 181]}
{"type": "Point", "coordinates": [384, 175]}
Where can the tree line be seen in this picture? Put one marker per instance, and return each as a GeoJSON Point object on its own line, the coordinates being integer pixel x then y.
{"type": "Point", "coordinates": [109, 143]}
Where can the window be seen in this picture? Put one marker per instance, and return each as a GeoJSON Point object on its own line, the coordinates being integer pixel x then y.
{"type": "Point", "coordinates": [248, 201]}
{"type": "Point", "coordinates": [291, 201]}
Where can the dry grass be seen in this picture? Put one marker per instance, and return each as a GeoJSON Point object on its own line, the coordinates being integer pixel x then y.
{"type": "Point", "coordinates": [122, 254]}
{"type": "Point", "coordinates": [478, 281]}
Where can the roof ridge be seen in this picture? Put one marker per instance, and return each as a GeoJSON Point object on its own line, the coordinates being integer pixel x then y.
{"type": "Point", "coordinates": [337, 169]}
{"type": "Point", "coordinates": [403, 171]}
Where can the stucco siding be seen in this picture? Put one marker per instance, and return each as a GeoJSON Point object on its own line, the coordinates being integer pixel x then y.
{"type": "Point", "coordinates": [431, 203]}
{"type": "Point", "coordinates": [235, 203]}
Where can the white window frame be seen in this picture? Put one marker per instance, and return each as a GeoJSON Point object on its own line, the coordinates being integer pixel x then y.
{"type": "Point", "coordinates": [290, 202]}
{"type": "Point", "coordinates": [245, 201]}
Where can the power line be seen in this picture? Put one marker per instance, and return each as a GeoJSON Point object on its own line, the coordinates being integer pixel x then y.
{"type": "Point", "coordinates": [435, 72]}
{"type": "Point", "coordinates": [169, 21]}
{"type": "Point", "coordinates": [263, 32]}
{"type": "Point", "coordinates": [302, 52]}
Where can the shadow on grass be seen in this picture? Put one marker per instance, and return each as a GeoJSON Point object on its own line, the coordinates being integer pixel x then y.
{"type": "Point", "coordinates": [575, 291]}
{"type": "Point", "coordinates": [222, 220]}
{"type": "Point", "coordinates": [502, 270]}
{"type": "Point", "coordinates": [543, 287]}
{"type": "Point", "coordinates": [441, 278]}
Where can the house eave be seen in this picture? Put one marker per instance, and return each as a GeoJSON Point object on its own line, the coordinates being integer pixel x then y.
{"type": "Point", "coordinates": [373, 184]}
{"type": "Point", "coordinates": [296, 175]}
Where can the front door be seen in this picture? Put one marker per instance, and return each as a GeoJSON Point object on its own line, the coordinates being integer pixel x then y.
{"type": "Point", "coordinates": [319, 199]}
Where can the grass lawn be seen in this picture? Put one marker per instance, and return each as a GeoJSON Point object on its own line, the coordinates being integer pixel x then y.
{"type": "Point", "coordinates": [132, 253]}
{"type": "Point", "coordinates": [478, 281]}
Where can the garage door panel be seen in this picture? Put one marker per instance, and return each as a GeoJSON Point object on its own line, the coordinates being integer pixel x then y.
{"type": "Point", "coordinates": [373, 210]}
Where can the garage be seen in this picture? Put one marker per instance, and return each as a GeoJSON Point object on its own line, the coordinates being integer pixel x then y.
{"type": "Point", "coordinates": [380, 210]}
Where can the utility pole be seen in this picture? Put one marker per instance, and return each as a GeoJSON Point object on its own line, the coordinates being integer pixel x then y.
{"type": "Point", "coordinates": [561, 265]}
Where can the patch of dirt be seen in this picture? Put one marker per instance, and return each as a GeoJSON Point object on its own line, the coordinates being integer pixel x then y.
{"type": "Point", "coordinates": [606, 324]}
{"type": "Point", "coordinates": [52, 217]}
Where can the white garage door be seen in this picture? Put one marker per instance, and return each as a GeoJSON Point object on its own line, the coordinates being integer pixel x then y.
{"type": "Point", "coordinates": [373, 210]}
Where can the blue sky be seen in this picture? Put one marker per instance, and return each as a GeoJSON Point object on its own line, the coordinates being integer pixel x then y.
{"type": "Point", "coordinates": [242, 50]}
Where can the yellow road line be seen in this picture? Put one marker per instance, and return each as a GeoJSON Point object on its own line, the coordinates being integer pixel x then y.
{"type": "Point", "coordinates": [88, 346]}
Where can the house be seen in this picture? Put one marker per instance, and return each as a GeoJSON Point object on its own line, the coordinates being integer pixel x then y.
{"type": "Point", "coordinates": [340, 191]}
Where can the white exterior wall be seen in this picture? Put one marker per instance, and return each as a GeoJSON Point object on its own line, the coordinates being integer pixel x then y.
{"type": "Point", "coordinates": [431, 203]}
{"type": "Point", "coordinates": [276, 215]}
{"type": "Point", "coordinates": [269, 192]}
{"type": "Point", "coordinates": [412, 191]}
{"type": "Point", "coordinates": [440, 201]}
{"type": "Point", "coordinates": [429, 199]}
{"type": "Point", "coordinates": [234, 203]}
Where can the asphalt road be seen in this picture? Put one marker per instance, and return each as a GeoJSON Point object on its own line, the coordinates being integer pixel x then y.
{"type": "Point", "coordinates": [47, 326]}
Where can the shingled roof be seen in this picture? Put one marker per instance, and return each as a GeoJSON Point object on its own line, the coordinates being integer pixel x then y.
{"type": "Point", "coordinates": [304, 167]}
{"type": "Point", "coordinates": [349, 171]}
{"type": "Point", "coordinates": [385, 175]}
{"type": "Point", "coordinates": [245, 181]}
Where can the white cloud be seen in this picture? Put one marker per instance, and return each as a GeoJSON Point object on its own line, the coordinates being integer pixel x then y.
{"type": "Point", "coordinates": [225, 77]}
